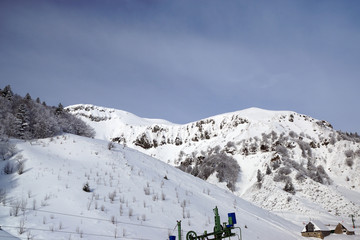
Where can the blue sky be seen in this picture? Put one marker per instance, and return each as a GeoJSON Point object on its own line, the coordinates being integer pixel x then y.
{"type": "Point", "coordinates": [187, 60]}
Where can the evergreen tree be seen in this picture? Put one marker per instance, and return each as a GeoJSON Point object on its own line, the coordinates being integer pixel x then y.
{"type": "Point", "coordinates": [22, 122]}
{"type": "Point", "coordinates": [289, 187]}
{"type": "Point", "coordinates": [25, 118]}
{"type": "Point", "coordinates": [7, 93]}
{"type": "Point", "coordinates": [259, 176]}
{"type": "Point", "coordinates": [268, 170]}
{"type": "Point", "coordinates": [27, 97]}
{"type": "Point", "coordinates": [59, 110]}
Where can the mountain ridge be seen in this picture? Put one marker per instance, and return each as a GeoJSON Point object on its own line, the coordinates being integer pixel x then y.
{"type": "Point", "coordinates": [304, 154]}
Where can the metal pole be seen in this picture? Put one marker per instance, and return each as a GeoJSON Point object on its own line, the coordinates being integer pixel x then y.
{"type": "Point", "coordinates": [179, 229]}
{"type": "Point", "coordinates": [217, 227]}
{"type": "Point", "coordinates": [353, 221]}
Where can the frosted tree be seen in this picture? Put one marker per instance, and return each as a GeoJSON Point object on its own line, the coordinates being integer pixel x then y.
{"type": "Point", "coordinates": [289, 187]}
{"type": "Point", "coordinates": [259, 176]}
{"type": "Point", "coordinates": [25, 118]}
{"type": "Point", "coordinates": [7, 93]}
{"type": "Point", "coordinates": [22, 122]}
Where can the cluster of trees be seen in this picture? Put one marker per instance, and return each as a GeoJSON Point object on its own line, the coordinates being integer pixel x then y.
{"type": "Point", "coordinates": [226, 167]}
{"type": "Point", "coordinates": [354, 137]}
{"type": "Point", "coordinates": [25, 118]}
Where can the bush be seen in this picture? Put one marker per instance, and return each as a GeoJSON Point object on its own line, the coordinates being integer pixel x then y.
{"type": "Point", "coordinates": [300, 176]}
{"type": "Point", "coordinates": [275, 164]}
{"type": "Point", "coordinates": [305, 149]}
{"type": "Point", "coordinates": [319, 175]}
{"type": "Point", "coordinates": [293, 134]}
{"type": "Point", "coordinates": [20, 167]}
{"type": "Point", "coordinates": [110, 145]}
{"type": "Point", "coordinates": [143, 141]}
{"type": "Point", "coordinates": [8, 168]}
{"type": "Point", "coordinates": [284, 170]}
{"type": "Point", "coordinates": [289, 187]}
{"type": "Point", "coordinates": [357, 152]}
{"type": "Point", "coordinates": [259, 176]}
{"type": "Point", "coordinates": [283, 151]}
{"type": "Point", "coordinates": [86, 187]}
{"type": "Point", "coordinates": [268, 170]}
{"type": "Point", "coordinates": [349, 162]}
{"type": "Point", "coordinates": [226, 168]}
{"type": "Point", "coordinates": [349, 153]}
{"type": "Point", "coordinates": [281, 178]}
{"type": "Point", "coordinates": [7, 149]}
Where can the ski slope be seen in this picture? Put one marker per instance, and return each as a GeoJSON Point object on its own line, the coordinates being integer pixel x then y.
{"type": "Point", "coordinates": [130, 196]}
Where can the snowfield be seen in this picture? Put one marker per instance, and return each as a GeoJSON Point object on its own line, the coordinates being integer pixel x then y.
{"type": "Point", "coordinates": [257, 139]}
{"type": "Point", "coordinates": [137, 193]}
{"type": "Point", "coordinates": [130, 196]}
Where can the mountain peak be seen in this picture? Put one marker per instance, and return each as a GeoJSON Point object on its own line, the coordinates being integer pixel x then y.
{"type": "Point", "coordinates": [283, 151]}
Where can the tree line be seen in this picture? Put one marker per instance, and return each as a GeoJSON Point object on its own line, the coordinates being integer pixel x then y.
{"type": "Point", "coordinates": [25, 118]}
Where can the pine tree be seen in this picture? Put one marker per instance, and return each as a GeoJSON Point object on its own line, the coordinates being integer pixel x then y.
{"type": "Point", "coordinates": [27, 97]}
{"type": "Point", "coordinates": [259, 176]}
{"type": "Point", "coordinates": [289, 187]}
{"type": "Point", "coordinates": [7, 93]}
{"type": "Point", "coordinates": [268, 170]}
{"type": "Point", "coordinates": [59, 110]}
{"type": "Point", "coordinates": [22, 122]}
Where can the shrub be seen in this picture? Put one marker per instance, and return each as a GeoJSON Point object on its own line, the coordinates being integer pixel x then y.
{"type": "Point", "coordinates": [319, 175]}
{"type": "Point", "coordinates": [349, 162]}
{"type": "Point", "coordinates": [289, 187]}
{"type": "Point", "coordinates": [7, 149]}
{"type": "Point", "coordinates": [253, 147]}
{"type": "Point", "coordinates": [264, 147]}
{"type": "Point", "coordinates": [86, 187]}
{"type": "Point", "coordinates": [300, 176]}
{"type": "Point", "coordinates": [143, 141]}
{"type": "Point", "coordinates": [268, 170]}
{"type": "Point", "coordinates": [284, 170]}
{"type": "Point", "coordinates": [275, 164]}
{"type": "Point", "coordinates": [283, 151]}
{"type": "Point", "coordinates": [226, 168]}
{"type": "Point", "coordinates": [259, 176]}
{"type": "Point", "coordinates": [349, 153]}
{"type": "Point", "coordinates": [332, 139]}
{"type": "Point", "coordinates": [21, 167]}
{"type": "Point", "coordinates": [8, 168]}
{"type": "Point", "coordinates": [305, 149]}
{"type": "Point", "coordinates": [230, 147]}
{"type": "Point", "coordinates": [357, 152]}
{"type": "Point", "coordinates": [293, 134]}
{"type": "Point", "coordinates": [110, 145]}
{"type": "Point", "coordinates": [281, 178]}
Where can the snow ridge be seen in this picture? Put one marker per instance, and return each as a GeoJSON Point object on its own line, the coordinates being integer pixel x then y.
{"type": "Point", "coordinates": [319, 163]}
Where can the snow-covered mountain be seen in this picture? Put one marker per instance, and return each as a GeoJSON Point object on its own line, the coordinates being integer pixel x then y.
{"type": "Point", "coordinates": [289, 162]}
{"type": "Point", "coordinates": [136, 193]}
{"type": "Point", "coordinates": [132, 196]}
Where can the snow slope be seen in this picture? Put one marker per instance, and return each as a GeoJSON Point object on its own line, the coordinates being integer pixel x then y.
{"type": "Point", "coordinates": [130, 198]}
{"type": "Point", "coordinates": [257, 139]}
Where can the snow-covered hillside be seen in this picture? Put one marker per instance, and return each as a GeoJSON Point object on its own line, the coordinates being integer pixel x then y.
{"type": "Point", "coordinates": [133, 196]}
{"type": "Point", "coordinates": [287, 160]}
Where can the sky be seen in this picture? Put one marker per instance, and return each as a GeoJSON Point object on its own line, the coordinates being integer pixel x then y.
{"type": "Point", "coordinates": [187, 60]}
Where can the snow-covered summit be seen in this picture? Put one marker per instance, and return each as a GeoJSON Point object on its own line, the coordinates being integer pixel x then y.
{"type": "Point", "coordinates": [275, 150]}
{"type": "Point", "coordinates": [96, 113]}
